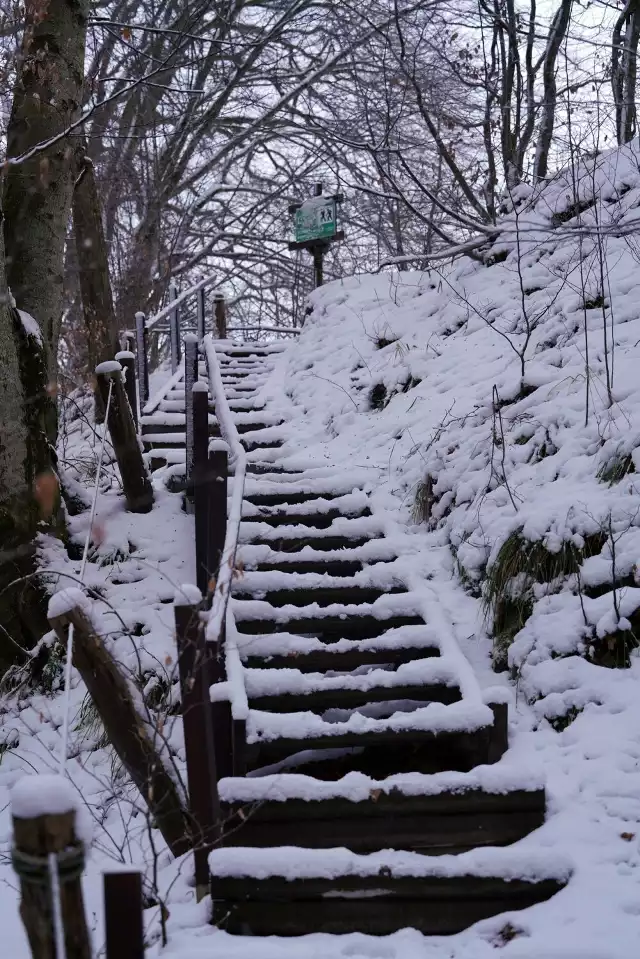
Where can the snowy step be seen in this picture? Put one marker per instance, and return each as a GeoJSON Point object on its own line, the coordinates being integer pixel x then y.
{"type": "Point", "coordinates": [349, 622]}
{"type": "Point", "coordinates": [431, 738]}
{"type": "Point", "coordinates": [174, 422]}
{"type": "Point", "coordinates": [335, 567]}
{"type": "Point", "coordinates": [306, 596]}
{"type": "Point", "coordinates": [237, 352]}
{"type": "Point", "coordinates": [345, 532]}
{"type": "Point", "coordinates": [374, 551]}
{"type": "Point", "coordinates": [359, 814]}
{"type": "Point", "coordinates": [291, 690]}
{"type": "Point", "coordinates": [320, 520]}
{"type": "Point", "coordinates": [289, 890]}
{"type": "Point", "coordinates": [270, 469]}
{"type": "Point", "coordinates": [289, 497]}
{"type": "Point", "coordinates": [309, 654]}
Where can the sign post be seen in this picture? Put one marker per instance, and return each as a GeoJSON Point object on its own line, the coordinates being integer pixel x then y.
{"type": "Point", "coordinates": [315, 227]}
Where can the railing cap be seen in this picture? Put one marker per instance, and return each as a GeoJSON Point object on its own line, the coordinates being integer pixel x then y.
{"type": "Point", "coordinates": [109, 368]}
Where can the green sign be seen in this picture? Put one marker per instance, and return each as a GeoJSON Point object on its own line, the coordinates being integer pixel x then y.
{"type": "Point", "coordinates": [315, 219]}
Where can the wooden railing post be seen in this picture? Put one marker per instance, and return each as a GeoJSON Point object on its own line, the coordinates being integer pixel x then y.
{"type": "Point", "coordinates": [220, 315]}
{"type": "Point", "coordinates": [198, 485]}
{"type": "Point", "coordinates": [124, 927]}
{"type": "Point", "coordinates": [142, 358]}
{"type": "Point", "coordinates": [190, 377]}
{"type": "Point", "coordinates": [127, 361]}
{"type": "Point", "coordinates": [174, 329]}
{"type": "Point", "coordinates": [135, 479]}
{"type": "Point", "coordinates": [217, 504]}
{"type": "Point", "coordinates": [49, 859]}
{"type": "Point", "coordinates": [127, 341]}
{"type": "Point", "coordinates": [201, 314]}
{"type": "Point", "coordinates": [127, 732]}
{"type": "Point", "coordinates": [199, 740]}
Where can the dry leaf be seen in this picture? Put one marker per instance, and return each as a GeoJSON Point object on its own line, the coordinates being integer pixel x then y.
{"type": "Point", "coordinates": [168, 659]}
{"type": "Point", "coordinates": [126, 33]}
{"type": "Point", "coordinates": [98, 533]}
{"type": "Point", "coordinates": [627, 836]}
{"type": "Point", "coordinates": [241, 814]}
{"type": "Point", "coordinates": [375, 794]}
{"type": "Point", "coordinates": [45, 491]}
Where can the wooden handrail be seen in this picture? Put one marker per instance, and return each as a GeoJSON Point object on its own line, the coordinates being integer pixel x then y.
{"type": "Point", "coordinates": [167, 310]}
{"type": "Point", "coordinates": [229, 433]}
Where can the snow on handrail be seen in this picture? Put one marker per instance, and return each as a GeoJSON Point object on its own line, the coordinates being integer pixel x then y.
{"type": "Point", "coordinates": [166, 311]}
{"type": "Point", "coordinates": [239, 458]}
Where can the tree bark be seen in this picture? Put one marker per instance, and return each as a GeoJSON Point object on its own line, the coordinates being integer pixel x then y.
{"type": "Point", "coordinates": [557, 33]}
{"type": "Point", "coordinates": [93, 265]}
{"type": "Point", "coordinates": [24, 453]}
{"type": "Point", "coordinates": [37, 191]}
{"type": "Point", "coordinates": [624, 52]}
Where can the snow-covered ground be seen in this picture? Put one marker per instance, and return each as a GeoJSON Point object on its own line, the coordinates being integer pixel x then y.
{"type": "Point", "coordinates": [513, 385]}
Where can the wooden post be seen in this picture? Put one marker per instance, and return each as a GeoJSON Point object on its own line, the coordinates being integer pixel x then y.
{"type": "Point", "coordinates": [190, 377]}
{"type": "Point", "coordinates": [200, 403]}
{"type": "Point", "coordinates": [174, 329]}
{"type": "Point", "coordinates": [48, 856]}
{"type": "Point", "coordinates": [127, 340]}
{"type": "Point", "coordinates": [127, 731]}
{"type": "Point", "coordinates": [221, 717]}
{"type": "Point", "coordinates": [220, 315]}
{"type": "Point", "coordinates": [124, 927]}
{"type": "Point", "coordinates": [217, 504]}
{"type": "Point", "coordinates": [127, 361]}
{"type": "Point", "coordinates": [135, 479]}
{"type": "Point", "coordinates": [142, 358]}
{"type": "Point", "coordinates": [201, 314]}
{"type": "Point", "coordinates": [193, 663]}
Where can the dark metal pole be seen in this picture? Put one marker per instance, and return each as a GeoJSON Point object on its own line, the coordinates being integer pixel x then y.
{"type": "Point", "coordinates": [174, 329]}
{"type": "Point", "coordinates": [190, 377]}
{"type": "Point", "coordinates": [220, 315]}
{"type": "Point", "coordinates": [141, 357]}
{"type": "Point", "coordinates": [200, 321]}
{"type": "Point", "coordinates": [318, 255]}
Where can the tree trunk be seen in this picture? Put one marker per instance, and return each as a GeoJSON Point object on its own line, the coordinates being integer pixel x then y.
{"type": "Point", "coordinates": [24, 453]}
{"type": "Point", "coordinates": [557, 33]}
{"type": "Point", "coordinates": [626, 108]}
{"type": "Point", "coordinates": [93, 265]}
{"type": "Point", "coordinates": [37, 193]}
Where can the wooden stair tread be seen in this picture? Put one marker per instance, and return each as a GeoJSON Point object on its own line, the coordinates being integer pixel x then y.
{"type": "Point", "coordinates": [320, 520]}
{"type": "Point", "coordinates": [291, 690]}
{"type": "Point", "coordinates": [293, 543]}
{"type": "Point", "coordinates": [362, 626]}
{"type": "Point", "coordinates": [322, 596]}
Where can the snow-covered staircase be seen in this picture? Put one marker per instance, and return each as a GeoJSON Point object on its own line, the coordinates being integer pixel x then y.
{"type": "Point", "coordinates": [373, 787]}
